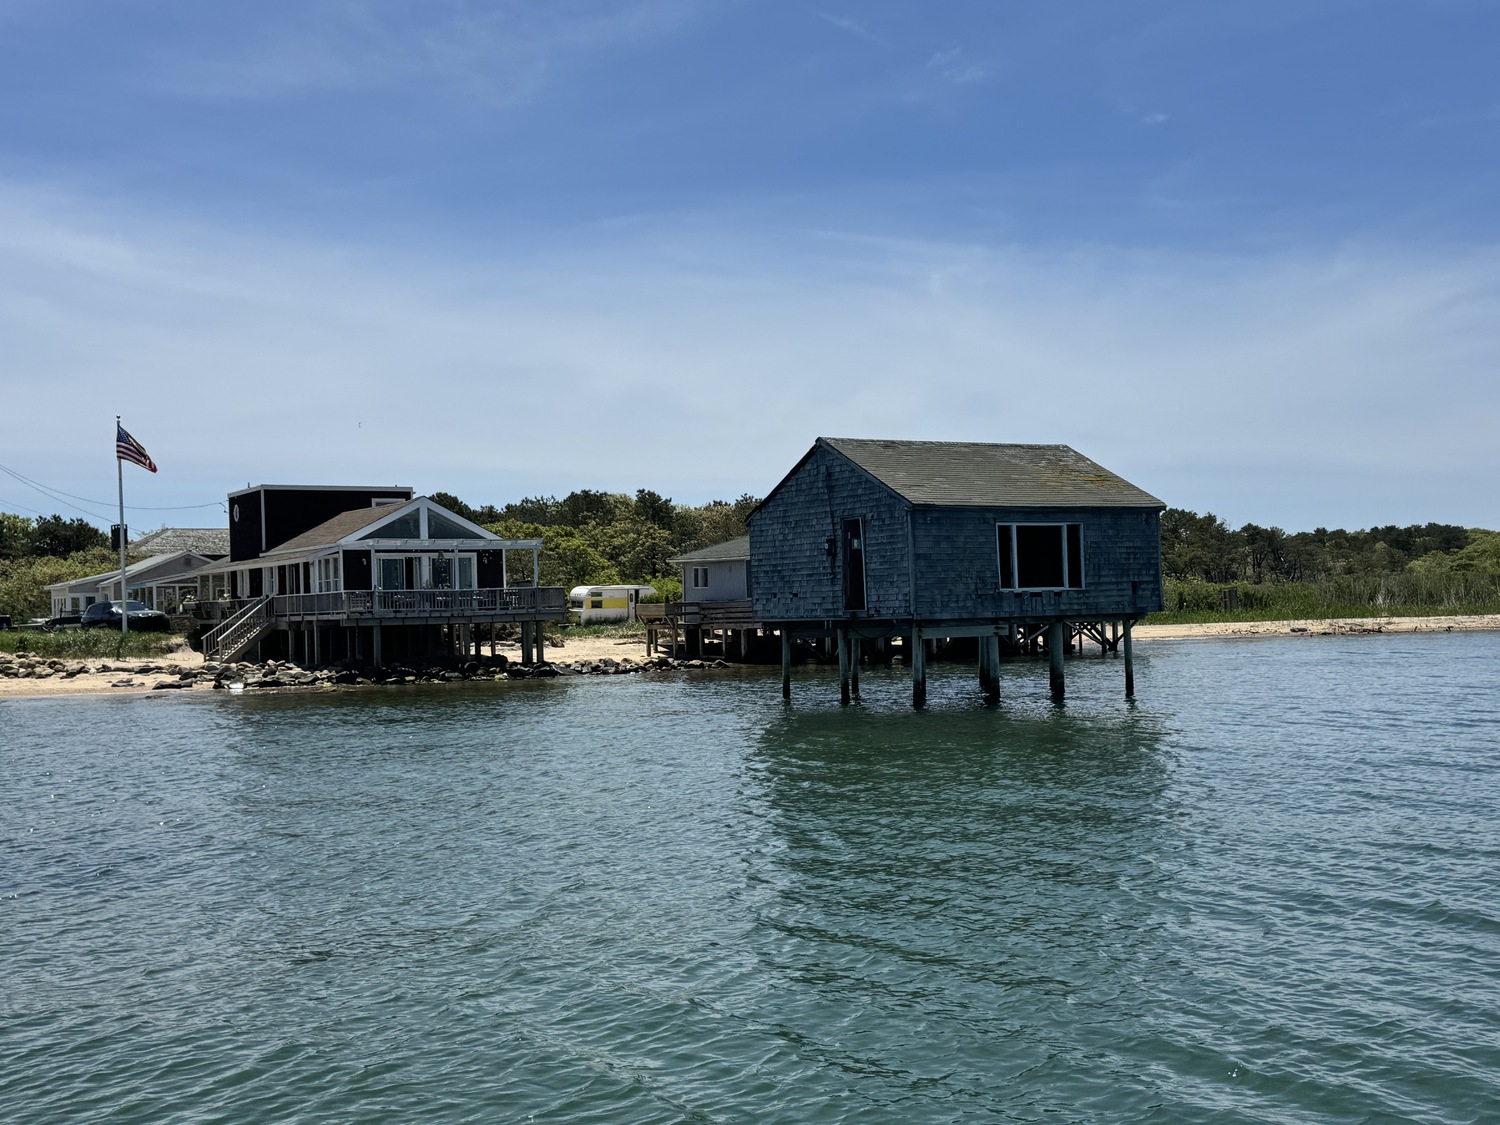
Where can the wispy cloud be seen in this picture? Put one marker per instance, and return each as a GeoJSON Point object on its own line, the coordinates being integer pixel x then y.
{"type": "Point", "coordinates": [955, 65]}
{"type": "Point", "coordinates": [852, 27]}
{"type": "Point", "coordinates": [503, 52]}
{"type": "Point", "coordinates": [1298, 390]}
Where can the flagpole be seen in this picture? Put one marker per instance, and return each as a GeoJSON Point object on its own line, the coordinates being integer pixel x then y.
{"type": "Point", "coordinates": [120, 477]}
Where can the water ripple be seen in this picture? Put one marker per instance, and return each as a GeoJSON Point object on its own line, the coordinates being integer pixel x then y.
{"type": "Point", "coordinates": [1262, 893]}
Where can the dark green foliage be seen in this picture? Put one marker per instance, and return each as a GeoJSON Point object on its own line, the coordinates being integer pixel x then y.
{"type": "Point", "coordinates": [593, 538]}
{"type": "Point", "coordinates": [654, 508]}
{"type": "Point", "coordinates": [47, 536]}
{"type": "Point", "coordinates": [1205, 549]}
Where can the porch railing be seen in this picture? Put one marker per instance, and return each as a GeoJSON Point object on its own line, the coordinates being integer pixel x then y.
{"type": "Point", "coordinates": [423, 603]}
{"type": "Point", "coordinates": [714, 615]}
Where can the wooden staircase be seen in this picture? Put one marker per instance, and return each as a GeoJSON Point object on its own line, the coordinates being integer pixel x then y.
{"type": "Point", "coordinates": [233, 636]}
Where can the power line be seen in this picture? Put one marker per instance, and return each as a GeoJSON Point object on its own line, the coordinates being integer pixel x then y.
{"type": "Point", "coordinates": [58, 495]}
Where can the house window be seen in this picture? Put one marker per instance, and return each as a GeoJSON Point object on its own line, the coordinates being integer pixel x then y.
{"type": "Point", "coordinates": [328, 575]}
{"type": "Point", "coordinates": [700, 577]}
{"type": "Point", "coordinates": [1041, 556]}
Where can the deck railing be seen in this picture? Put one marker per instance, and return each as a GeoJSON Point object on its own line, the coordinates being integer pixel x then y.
{"type": "Point", "coordinates": [423, 603]}
{"type": "Point", "coordinates": [710, 615]}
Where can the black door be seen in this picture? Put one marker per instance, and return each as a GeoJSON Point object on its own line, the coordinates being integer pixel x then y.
{"type": "Point", "coordinates": [854, 564]}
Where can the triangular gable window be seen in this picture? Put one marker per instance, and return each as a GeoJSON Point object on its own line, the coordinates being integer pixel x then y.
{"type": "Point", "coordinates": [408, 526]}
{"type": "Point", "coordinates": [441, 527]}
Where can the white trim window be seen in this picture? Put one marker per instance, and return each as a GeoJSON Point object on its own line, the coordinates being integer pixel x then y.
{"type": "Point", "coordinates": [700, 578]}
{"type": "Point", "coordinates": [328, 580]}
{"type": "Point", "coordinates": [1040, 556]}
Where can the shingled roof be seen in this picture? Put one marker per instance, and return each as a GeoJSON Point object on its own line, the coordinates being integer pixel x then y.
{"type": "Point", "coordinates": [727, 551]}
{"type": "Point", "coordinates": [986, 475]}
{"type": "Point", "coordinates": [171, 540]}
{"type": "Point", "coordinates": [332, 530]}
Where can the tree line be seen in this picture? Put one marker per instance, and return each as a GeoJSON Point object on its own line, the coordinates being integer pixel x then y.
{"type": "Point", "coordinates": [1205, 548]}
{"type": "Point", "coordinates": [592, 538]}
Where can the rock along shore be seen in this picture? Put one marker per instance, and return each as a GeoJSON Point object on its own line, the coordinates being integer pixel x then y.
{"type": "Point", "coordinates": [24, 674]}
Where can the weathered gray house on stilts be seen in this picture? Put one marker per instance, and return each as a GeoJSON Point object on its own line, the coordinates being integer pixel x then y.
{"type": "Point", "coordinates": [1033, 546]}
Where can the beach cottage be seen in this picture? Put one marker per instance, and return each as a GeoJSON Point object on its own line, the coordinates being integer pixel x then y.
{"type": "Point", "coordinates": [714, 615]}
{"type": "Point", "coordinates": [161, 581]}
{"type": "Point", "coordinates": [386, 574]}
{"type": "Point", "coordinates": [1033, 545]}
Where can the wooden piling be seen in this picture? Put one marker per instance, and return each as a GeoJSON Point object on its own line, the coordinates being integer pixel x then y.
{"type": "Point", "coordinates": [1057, 634]}
{"type": "Point", "coordinates": [989, 649]}
{"type": "Point", "coordinates": [1129, 665]}
{"type": "Point", "coordinates": [786, 663]}
{"type": "Point", "coordinates": [918, 669]}
{"type": "Point", "coordinates": [844, 691]}
{"type": "Point", "coordinates": [854, 647]}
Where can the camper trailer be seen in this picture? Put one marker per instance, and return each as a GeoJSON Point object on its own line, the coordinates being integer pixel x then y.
{"type": "Point", "coordinates": [598, 604]}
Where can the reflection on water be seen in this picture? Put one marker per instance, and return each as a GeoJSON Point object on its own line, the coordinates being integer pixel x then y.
{"type": "Point", "coordinates": [1262, 893]}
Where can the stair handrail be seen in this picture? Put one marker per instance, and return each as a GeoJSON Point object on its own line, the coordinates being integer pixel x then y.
{"type": "Point", "coordinates": [214, 640]}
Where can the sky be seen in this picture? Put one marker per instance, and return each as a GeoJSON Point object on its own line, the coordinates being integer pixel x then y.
{"type": "Point", "coordinates": [1245, 255]}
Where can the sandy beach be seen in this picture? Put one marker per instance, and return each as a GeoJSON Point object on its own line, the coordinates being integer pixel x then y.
{"type": "Point", "coordinates": [23, 677]}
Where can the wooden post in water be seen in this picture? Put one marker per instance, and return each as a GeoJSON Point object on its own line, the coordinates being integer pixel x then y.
{"type": "Point", "coordinates": [786, 663]}
{"type": "Point", "coordinates": [843, 667]}
{"type": "Point", "coordinates": [1057, 634]}
{"type": "Point", "coordinates": [989, 647]}
{"type": "Point", "coordinates": [1129, 665]}
{"type": "Point", "coordinates": [985, 672]}
{"type": "Point", "coordinates": [854, 647]}
{"type": "Point", "coordinates": [918, 668]}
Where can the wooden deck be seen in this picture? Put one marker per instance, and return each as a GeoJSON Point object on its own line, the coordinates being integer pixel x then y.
{"type": "Point", "coordinates": [689, 626]}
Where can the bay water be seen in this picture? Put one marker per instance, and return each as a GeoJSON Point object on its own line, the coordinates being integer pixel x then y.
{"type": "Point", "coordinates": [1266, 891]}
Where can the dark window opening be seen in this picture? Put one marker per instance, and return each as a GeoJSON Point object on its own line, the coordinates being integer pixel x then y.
{"type": "Point", "coordinates": [1040, 556]}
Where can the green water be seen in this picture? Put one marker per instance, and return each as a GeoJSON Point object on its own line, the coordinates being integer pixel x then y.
{"type": "Point", "coordinates": [1266, 892]}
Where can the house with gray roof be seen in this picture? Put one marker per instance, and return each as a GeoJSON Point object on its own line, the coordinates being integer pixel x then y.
{"type": "Point", "coordinates": [1033, 545]}
{"type": "Point", "coordinates": [353, 573]}
{"type": "Point", "coordinates": [718, 573]}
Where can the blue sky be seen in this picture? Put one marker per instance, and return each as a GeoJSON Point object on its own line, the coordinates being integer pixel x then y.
{"type": "Point", "coordinates": [1246, 255]}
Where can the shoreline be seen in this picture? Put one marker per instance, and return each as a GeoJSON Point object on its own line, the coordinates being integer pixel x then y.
{"type": "Point", "coordinates": [183, 670]}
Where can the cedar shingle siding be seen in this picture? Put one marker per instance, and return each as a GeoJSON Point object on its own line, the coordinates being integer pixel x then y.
{"type": "Point", "coordinates": [795, 577]}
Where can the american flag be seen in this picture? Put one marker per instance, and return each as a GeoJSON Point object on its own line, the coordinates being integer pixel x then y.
{"type": "Point", "coordinates": [128, 449]}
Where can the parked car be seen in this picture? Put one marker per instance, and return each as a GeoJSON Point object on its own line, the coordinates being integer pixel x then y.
{"type": "Point", "coordinates": [53, 624]}
{"type": "Point", "coordinates": [143, 619]}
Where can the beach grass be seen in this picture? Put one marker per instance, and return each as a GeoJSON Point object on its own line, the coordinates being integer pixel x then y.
{"type": "Point", "coordinates": [87, 644]}
{"type": "Point", "coordinates": [621, 630]}
{"type": "Point", "coordinates": [1399, 595]}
